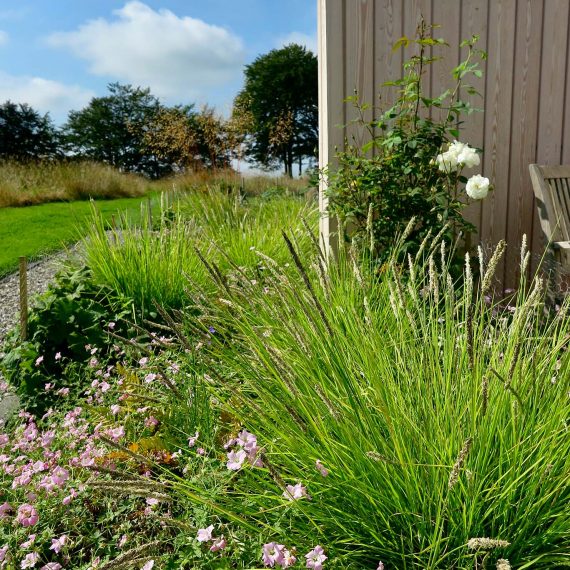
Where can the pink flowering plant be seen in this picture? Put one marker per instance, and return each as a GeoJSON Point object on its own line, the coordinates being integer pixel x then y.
{"type": "Point", "coordinates": [67, 339]}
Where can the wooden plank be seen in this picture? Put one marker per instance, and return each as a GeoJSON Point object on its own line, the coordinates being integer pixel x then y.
{"type": "Point", "coordinates": [388, 28]}
{"type": "Point", "coordinates": [359, 64]}
{"type": "Point", "coordinates": [498, 104]}
{"type": "Point", "coordinates": [447, 15]}
{"type": "Point", "coordinates": [524, 130]}
{"type": "Point", "coordinates": [23, 298]}
{"type": "Point", "coordinates": [556, 171]}
{"type": "Point", "coordinates": [331, 106]}
{"type": "Point", "coordinates": [414, 11]}
{"type": "Point", "coordinates": [554, 66]}
{"type": "Point", "coordinates": [474, 17]}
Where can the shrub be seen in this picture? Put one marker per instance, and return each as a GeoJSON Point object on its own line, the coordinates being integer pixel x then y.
{"type": "Point", "coordinates": [407, 168]}
{"type": "Point", "coordinates": [67, 327]}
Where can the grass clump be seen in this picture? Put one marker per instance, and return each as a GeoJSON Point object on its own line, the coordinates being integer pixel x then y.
{"type": "Point", "coordinates": [396, 420]}
{"type": "Point", "coordinates": [156, 263]}
{"type": "Point", "coordinates": [25, 184]}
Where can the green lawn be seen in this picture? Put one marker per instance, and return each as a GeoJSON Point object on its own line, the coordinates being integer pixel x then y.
{"type": "Point", "coordinates": [34, 231]}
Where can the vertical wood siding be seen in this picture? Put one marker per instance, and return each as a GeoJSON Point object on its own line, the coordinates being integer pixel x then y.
{"type": "Point", "coordinates": [526, 89]}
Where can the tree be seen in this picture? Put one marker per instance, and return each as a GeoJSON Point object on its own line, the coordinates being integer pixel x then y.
{"type": "Point", "coordinates": [182, 138]}
{"type": "Point", "coordinates": [25, 134]}
{"type": "Point", "coordinates": [281, 97]}
{"type": "Point", "coordinates": [111, 129]}
{"type": "Point", "coordinates": [171, 136]}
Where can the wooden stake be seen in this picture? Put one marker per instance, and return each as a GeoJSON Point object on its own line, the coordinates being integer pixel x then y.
{"type": "Point", "coordinates": [23, 298]}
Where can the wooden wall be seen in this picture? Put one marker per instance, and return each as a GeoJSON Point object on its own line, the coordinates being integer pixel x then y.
{"type": "Point", "coordinates": [525, 88]}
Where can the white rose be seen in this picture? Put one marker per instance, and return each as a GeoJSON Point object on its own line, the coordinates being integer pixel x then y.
{"type": "Point", "coordinates": [468, 157]}
{"type": "Point", "coordinates": [447, 161]}
{"type": "Point", "coordinates": [477, 187]}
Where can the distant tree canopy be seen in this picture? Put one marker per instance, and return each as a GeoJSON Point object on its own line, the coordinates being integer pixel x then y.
{"type": "Point", "coordinates": [279, 104]}
{"type": "Point", "coordinates": [131, 130]}
{"type": "Point", "coordinates": [274, 120]}
{"type": "Point", "coordinates": [111, 129]}
{"type": "Point", "coordinates": [25, 134]}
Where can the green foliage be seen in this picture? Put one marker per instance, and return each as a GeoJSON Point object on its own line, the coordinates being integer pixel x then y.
{"type": "Point", "coordinates": [379, 187]}
{"type": "Point", "coordinates": [65, 324]}
{"type": "Point", "coordinates": [280, 96]}
{"type": "Point", "coordinates": [419, 400]}
{"type": "Point", "coordinates": [25, 134]}
{"type": "Point", "coordinates": [110, 129]}
{"type": "Point", "coordinates": [159, 264]}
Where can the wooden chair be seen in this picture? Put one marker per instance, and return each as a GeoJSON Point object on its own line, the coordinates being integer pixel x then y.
{"type": "Point", "coordinates": [551, 185]}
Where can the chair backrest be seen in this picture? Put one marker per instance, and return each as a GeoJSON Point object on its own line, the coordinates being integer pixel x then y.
{"type": "Point", "coordinates": [551, 185]}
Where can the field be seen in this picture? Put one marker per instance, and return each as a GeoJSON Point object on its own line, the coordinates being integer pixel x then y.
{"type": "Point", "coordinates": [35, 231]}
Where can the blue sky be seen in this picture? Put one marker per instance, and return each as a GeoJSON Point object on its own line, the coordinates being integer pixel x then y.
{"type": "Point", "coordinates": [57, 54]}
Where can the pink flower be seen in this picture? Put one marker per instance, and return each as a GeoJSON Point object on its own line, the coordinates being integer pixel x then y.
{"type": "Point", "coordinates": [218, 544]}
{"type": "Point", "coordinates": [380, 566]}
{"type": "Point", "coordinates": [5, 509]}
{"type": "Point", "coordinates": [288, 559]}
{"type": "Point", "coordinates": [149, 565]}
{"type": "Point", "coordinates": [236, 459]}
{"type": "Point", "coordinates": [316, 558]}
{"type": "Point", "coordinates": [272, 554]}
{"type": "Point", "coordinates": [30, 560]}
{"type": "Point", "coordinates": [123, 541]}
{"type": "Point", "coordinates": [192, 440]}
{"type": "Point", "coordinates": [63, 392]}
{"type": "Point", "coordinates": [201, 451]}
{"type": "Point", "coordinates": [152, 502]}
{"type": "Point", "coordinates": [39, 360]}
{"type": "Point", "coordinates": [143, 361]}
{"type": "Point", "coordinates": [29, 542]}
{"type": "Point", "coordinates": [3, 552]}
{"type": "Point", "coordinates": [70, 497]}
{"type": "Point", "coordinates": [58, 543]}
{"type": "Point", "coordinates": [205, 534]}
{"type": "Point", "coordinates": [151, 422]}
{"type": "Point", "coordinates": [247, 440]}
{"type": "Point", "coordinates": [47, 438]}
{"type": "Point", "coordinates": [4, 439]}
{"type": "Point", "coordinates": [321, 468]}
{"type": "Point", "coordinates": [150, 377]}
{"type": "Point", "coordinates": [58, 355]}
{"type": "Point", "coordinates": [59, 476]}
{"type": "Point", "coordinates": [111, 325]}
{"type": "Point", "coordinates": [115, 409]}
{"type": "Point", "coordinates": [48, 386]}
{"type": "Point", "coordinates": [27, 515]}
{"type": "Point", "coordinates": [52, 566]}
{"type": "Point", "coordinates": [294, 492]}
{"type": "Point", "coordinates": [116, 433]}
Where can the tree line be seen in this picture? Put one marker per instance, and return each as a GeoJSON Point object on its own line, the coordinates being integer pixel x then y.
{"type": "Point", "coordinates": [274, 122]}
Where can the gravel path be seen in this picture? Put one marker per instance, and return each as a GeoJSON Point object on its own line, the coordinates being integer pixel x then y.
{"type": "Point", "coordinates": [40, 273]}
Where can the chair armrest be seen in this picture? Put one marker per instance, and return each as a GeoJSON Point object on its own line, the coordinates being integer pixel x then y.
{"type": "Point", "coordinates": [561, 245]}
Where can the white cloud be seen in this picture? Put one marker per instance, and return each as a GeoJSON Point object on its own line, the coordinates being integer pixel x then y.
{"type": "Point", "coordinates": [44, 95]}
{"type": "Point", "coordinates": [4, 38]}
{"type": "Point", "coordinates": [177, 57]}
{"type": "Point", "coordinates": [310, 42]}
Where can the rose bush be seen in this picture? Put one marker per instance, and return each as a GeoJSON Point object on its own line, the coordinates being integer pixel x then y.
{"type": "Point", "coordinates": [413, 166]}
